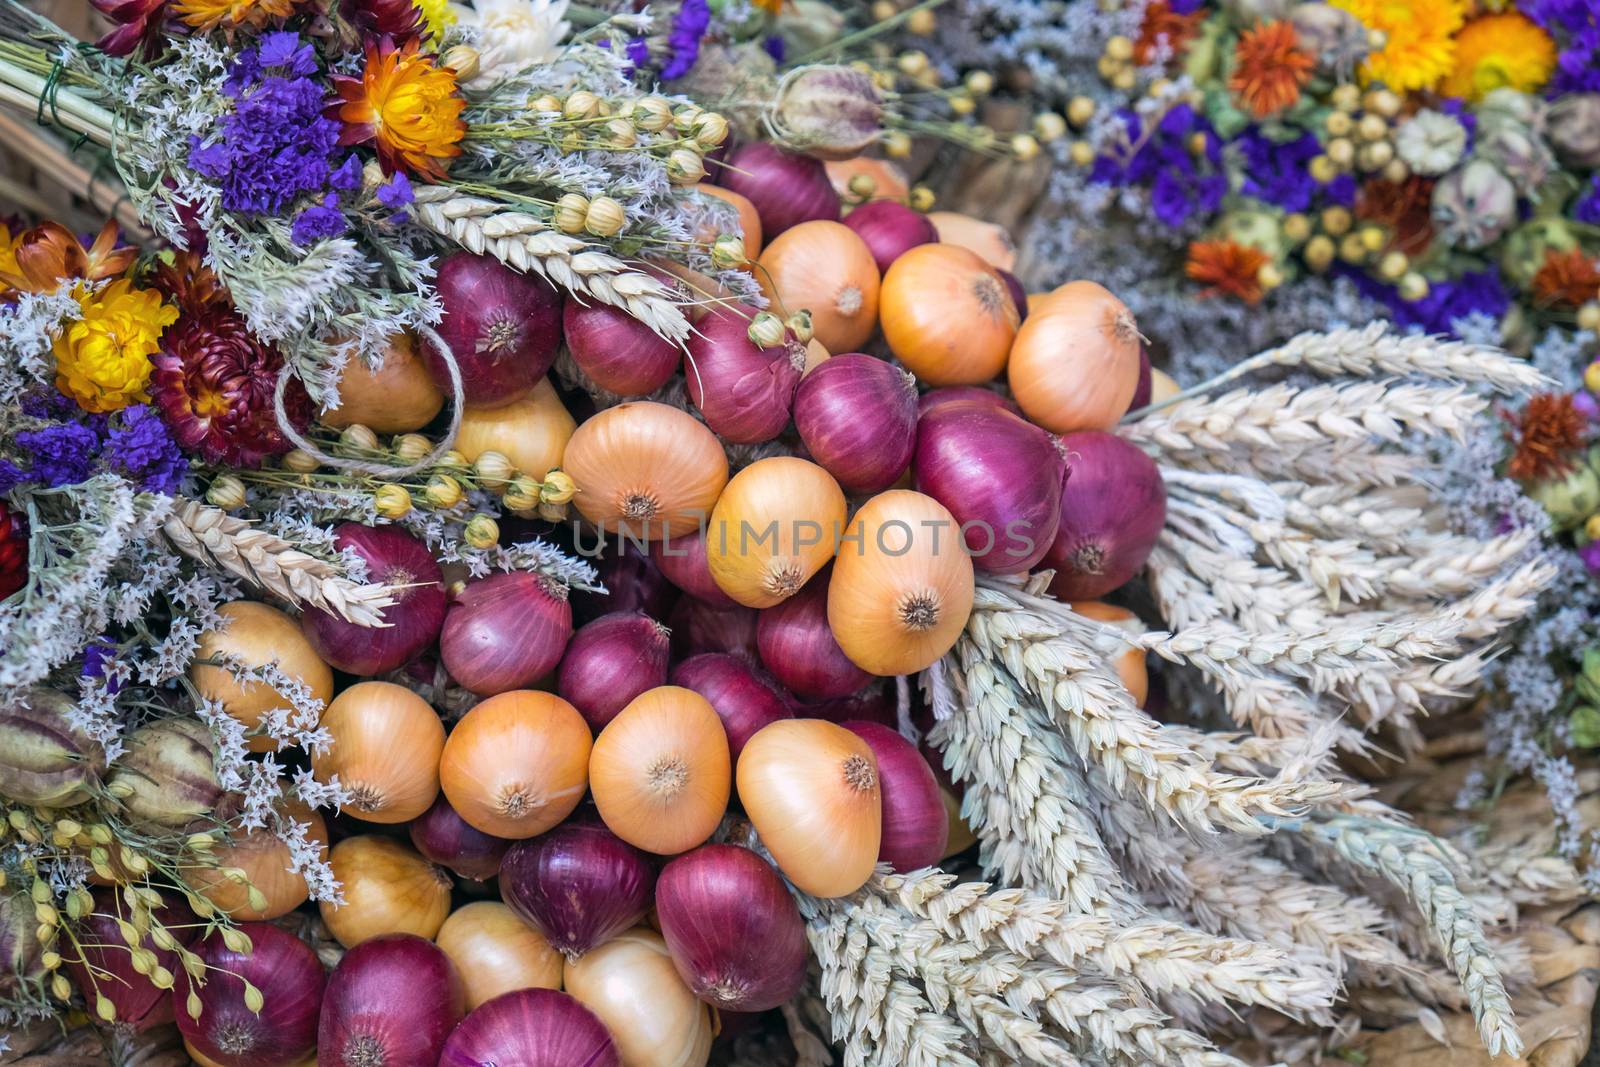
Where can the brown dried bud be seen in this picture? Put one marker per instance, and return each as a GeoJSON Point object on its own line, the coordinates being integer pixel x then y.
{"type": "Point", "coordinates": [829, 112]}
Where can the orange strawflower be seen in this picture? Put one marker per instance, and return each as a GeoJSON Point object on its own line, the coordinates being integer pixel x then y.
{"type": "Point", "coordinates": [1566, 279]}
{"type": "Point", "coordinates": [1227, 268]}
{"type": "Point", "coordinates": [407, 104]}
{"type": "Point", "coordinates": [49, 255]}
{"type": "Point", "coordinates": [1162, 24]}
{"type": "Point", "coordinates": [206, 15]}
{"type": "Point", "coordinates": [1269, 68]}
{"type": "Point", "coordinates": [774, 6]}
{"type": "Point", "coordinates": [1546, 435]}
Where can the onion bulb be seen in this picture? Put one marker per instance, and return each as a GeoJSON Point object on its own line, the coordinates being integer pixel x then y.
{"type": "Point", "coordinates": [290, 980]}
{"type": "Point", "coordinates": [104, 967]}
{"type": "Point", "coordinates": [631, 984]}
{"type": "Point", "coordinates": [811, 791]}
{"type": "Point", "coordinates": [265, 859]}
{"type": "Point", "coordinates": [744, 700]}
{"type": "Point", "coordinates": [618, 352]}
{"type": "Point", "coordinates": [445, 838]}
{"type": "Point", "coordinates": [683, 561]}
{"type": "Point", "coordinates": [888, 180]}
{"type": "Point", "coordinates": [827, 269]}
{"type": "Point", "coordinates": [947, 315]}
{"type": "Point", "coordinates": [915, 826]}
{"type": "Point", "coordinates": [1113, 507]}
{"type": "Point", "coordinates": [532, 432]}
{"type": "Point", "coordinates": [985, 239]}
{"type": "Point", "coordinates": [495, 952]}
{"type": "Point", "coordinates": [857, 416]}
{"type": "Point", "coordinates": [385, 751]}
{"type": "Point", "coordinates": [749, 221]}
{"type": "Point", "coordinates": [633, 582]}
{"type": "Point", "coordinates": [743, 391]}
{"type": "Point", "coordinates": [388, 889]}
{"type": "Point", "coordinates": [1075, 363]}
{"type": "Point", "coordinates": [786, 188]}
{"type": "Point", "coordinates": [774, 526]}
{"type": "Point", "coordinates": [889, 229]}
{"type": "Point", "coordinates": [532, 1027]}
{"type": "Point", "coordinates": [660, 771]}
{"type": "Point", "coordinates": [505, 631]}
{"type": "Point", "coordinates": [700, 627]}
{"type": "Point", "coordinates": [647, 468]}
{"type": "Point", "coordinates": [410, 624]}
{"type": "Point", "coordinates": [612, 660]}
{"type": "Point", "coordinates": [398, 397]}
{"type": "Point", "coordinates": [935, 398]}
{"type": "Point", "coordinates": [503, 326]}
{"type": "Point", "coordinates": [257, 635]}
{"type": "Point", "coordinates": [579, 885]}
{"type": "Point", "coordinates": [900, 596]}
{"type": "Point", "coordinates": [390, 1002]}
{"type": "Point", "coordinates": [516, 764]}
{"type": "Point", "coordinates": [735, 934]}
{"type": "Point", "coordinates": [1127, 660]}
{"type": "Point", "coordinates": [798, 647]}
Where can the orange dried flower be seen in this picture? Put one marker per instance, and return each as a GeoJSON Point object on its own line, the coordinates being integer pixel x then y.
{"type": "Point", "coordinates": [49, 255]}
{"type": "Point", "coordinates": [1566, 279]}
{"type": "Point", "coordinates": [205, 15]}
{"type": "Point", "coordinates": [1163, 25]}
{"type": "Point", "coordinates": [407, 104]}
{"type": "Point", "coordinates": [1269, 68]}
{"type": "Point", "coordinates": [1227, 268]}
{"type": "Point", "coordinates": [1546, 435]}
{"type": "Point", "coordinates": [1405, 209]}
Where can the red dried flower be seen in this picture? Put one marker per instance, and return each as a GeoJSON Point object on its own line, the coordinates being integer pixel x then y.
{"type": "Point", "coordinates": [1227, 268]}
{"type": "Point", "coordinates": [400, 19]}
{"type": "Point", "coordinates": [1269, 68]}
{"type": "Point", "coordinates": [1163, 25]}
{"type": "Point", "coordinates": [13, 552]}
{"type": "Point", "coordinates": [1566, 279]}
{"type": "Point", "coordinates": [1545, 437]}
{"type": "Point", "coordinates": [1404, 208]}
{"type": "Point", "coordinates": [141, 24]}
{"type": "Point", "coordinates": [50, 256]}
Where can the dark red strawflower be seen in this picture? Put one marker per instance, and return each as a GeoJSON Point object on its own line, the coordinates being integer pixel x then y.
{"type": "Point", "coordinates": [1545, 437]}
{"type": "Point", "coordinates": [399, 19]}
{"type": "Point", "coordinates": [141, 25]}
{"type": "Point", "coordinates": [1404, 208]}
{"type": "Point", "coordinates": [13, 552]}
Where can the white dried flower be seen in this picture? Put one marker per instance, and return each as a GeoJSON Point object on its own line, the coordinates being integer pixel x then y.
{"type": "Point", "coordinates": [1430, 142]}
{"type": "Point", "coordinates": [514, 34]}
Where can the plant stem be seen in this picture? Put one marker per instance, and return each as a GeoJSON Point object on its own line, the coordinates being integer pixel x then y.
{"type": "Point", "coordinates": [851, 39]}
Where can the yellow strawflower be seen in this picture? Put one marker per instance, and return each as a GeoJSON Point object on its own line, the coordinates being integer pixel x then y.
{"type": "Point", "coordinates": [437, 16]}
{"type": "Point", "coordinates": [103, 359]}
{"type": "Point", "coordinates": [1500, 51]}
{"type": "Point", "coordinates": [1418, 39]}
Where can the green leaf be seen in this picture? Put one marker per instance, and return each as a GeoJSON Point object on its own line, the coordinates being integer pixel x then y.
{"type": "Point", "coordinates": [1585, 725]}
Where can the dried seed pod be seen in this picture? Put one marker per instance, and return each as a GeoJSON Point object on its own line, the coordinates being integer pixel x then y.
{"type": "Point", "coordinates": [167, 777]}
{"type": "Point", "coordinates": [44, 760]}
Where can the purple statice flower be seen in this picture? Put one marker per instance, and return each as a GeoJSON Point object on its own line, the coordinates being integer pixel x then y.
{"type": "Point", "coordinates": [688, 27]}
{"type": "Point", "coordinates": [63, 454]}
{"type": "Point", "coordinates": [1275, 171]}
{"type": "Point", "coordinates": [774, 47]}
{"type": "Point", "coordinates": [11, 476]}
{"type": "Point", "coordinates": [638, 52]}
{"type": "Point", "coordinates": [1342, 191]}
{"type": "Point", "coordinates": [1448, 300]}
{"type": "Point", "coordinates": [1185, 7]}
{"type": "Point", "coordinates": [1181, 184]}
{"type": "Point", "coordinates": [396, 193]}
{"type": "Point", "coordinates": [1590, 554]}
{"type": "Point", "coordinates": [1584, 403]}
{"type": "Point", "coordinates": [348, 176]}
{"type": "Point", "coordinates": [96, 654]}
{"type": "Point", "coordinates": [1575, 25]}
{"type": "Point", "coordinates": [142, 448]}
{"type": "Point", "coordinates": [318, 221]}
{"type": "Point", "coordinates": [1587, 207]}
{"type": "Point", "coordinates": [276, 145]}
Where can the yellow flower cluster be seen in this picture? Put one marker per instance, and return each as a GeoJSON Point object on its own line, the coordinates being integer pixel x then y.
{"type": "Point", "coordinates": [437, 17]}
{"type": "Point", "coordinates": [1506, 51]}
{"type": "Point", "coordinates": [103, 359]}
{"type": "Point", "coordinates": [1417, 43]}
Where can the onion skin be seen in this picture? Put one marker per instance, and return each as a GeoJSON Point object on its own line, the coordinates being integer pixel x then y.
{"type": "Point", "coordinates": [266, 859]}
{"type": "Point", "coordinates": [889, 229]}
{"type": "Point", "coordinates": [999, 476]}
{"type": "Point", "coordinates": [633, 581]}
{"type": "Point", "coordinates": [532, 432]}
{"type": "Point", "coordinates": [391, 1001]}
{"type": "Point", "coordinates": [786, 189]}
{"type": "Point", "coordinates": [516, 764]}
{"type": "Point", "coordinates": [442, 836]}
{"type": "Point", "coordinates": [916, 828]}
{"type": "Point", "coordinates": [775, 525]}
{"type": "Point", "coordinates": [610, 661]}
{"type": "Point", "coordinates": [1074, 364]}
{"type": "Point", "coordinates": [1141, 392]}
{"type": "Point", "coordinates": [735, 934]}
{"type": "Point", "coordinates": [986, 239]}
{"type": "Point", "coordinates": [412, 622]}
{"type": "Point", "coordinates": [683, 561]}
{"type": "Point", "coordinates": [503, 327]}
{"type": "Point", "coordinates": [699, 627]}
{"type": "Point", "coordinates": [289, 976]}
{"type": "Point", "coordinates": [947, 315]}
{"type": "Point", "coordinates": [579, 885]}
{"type": "Point", "coordinates": [539, 1027]}
{"type": "Point", "coordinates": [888, 179]}
{"type": "Point", "coordinates": [749, 220]}
{"type": "Point", "coordinates": [385, 751]}
{"type": "Point", "coordinates": [858, 418]}
{"type": "Point", "coordinates": [618, 352]}
{"type": "Point", "coordinates": [951, 394]}
{"type": "Point", "coordinates": [256, 635]}
{"type": "Point", "coordinates": [646, 468]}
{"type": "Point", "coordinates": [139, 1004]}
{"type": "Point", "coordinates": [1019, 295]}
{"type": "Point", "coordinates": [872, 703]}
{"type": "Point", "coordinates": [745, 393]}
{"type": "Point", "coordinates": [631, 984]}
{"type": "Point", "coordinates": [798, 647]}
{"type": "Point", "coordinates": [505, 632]}
{"type": "Point", "coordinates": [1129, 662]}
{"type": "Point", "coordinates": [388, 889]}
{"type": "Point", "coordinates": [826, 268]}
{"type": "Point", "coordinates": [1113, 506]}
{"type": "Point", "coordinates": [399, 397]}
{"type": "Point", "coordinates": [742, 699]}
{"type": "Point", "coordinates": [496, 952]}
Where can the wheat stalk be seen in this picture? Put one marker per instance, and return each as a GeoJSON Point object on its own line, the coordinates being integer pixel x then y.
{"type": "Point", "coordinates": [526, 243]}
{"type": "Point", "coordinates": [217, 539]}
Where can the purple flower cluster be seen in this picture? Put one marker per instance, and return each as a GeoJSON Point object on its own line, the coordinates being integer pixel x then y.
{"type": "Point", "coordinates": [1181, 182]}
{"type": "Point", "coordinates": [1575, 24]}
{"type": "Point", "coordinates": [1448, 300]}
{"type": "Point", "coordinates": [692, 20]}
{"type": "Point", "coordinates": [75, 446]}
{"type": "Point", "coordinates": [276, 144]}
{"type": "Point", "coordinates": [1587, 207]}
{"type": "Point", "coordinates": [1275, 171]}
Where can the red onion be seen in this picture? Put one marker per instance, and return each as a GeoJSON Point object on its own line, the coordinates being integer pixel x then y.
{"type": "Point", "coordinates": [505, 632]}
{"type": "Point", "coordinates": [700, 627]}
{"type": "Point", "coordinates": [858, 418]}
{"type": "Point", "coordinates": [290, 979]}
{"type": "Point", "coordinates": [617, 351]}
{"type": "Point", "coordinates": [916, 827]}
{"type": "Point", "coordinates": [445, 838]}
{"type": "Point", "coordinates": [1113, 506]}
{"type": "Point", "coordinates": [1141, 392]}
{"type": "Point", "coordinates": [745, 393]}
{"type": "Point", "coordinates": [889, 228]}
{"type": "Point", "coordinates": [786, 189]}
{"type": "Point", "coordinates": [797, 646]}
{"type": "Point", "coordinates": [106, 966]}
{"type": "Point", "coordinates": [999, 475]}
{"type": "Point", "coordinates": [579, 885]}
{"type": "Point", "coordinates": [633, 583]}
{"type": "Point", "coordinates": [734, 932]}
{"type": "Point", "coordinates": [875, 702]}
{"type": "Point", "coordinates": [393, 557]}
{"type": "Point", "coordinates": [503, 327]}
{"type": "Point", "coordinates": [742, 699]}
{"type": "Point", "coordinates": [951, 394]}
{"type": "Point", "coordinates": [683, 561]}
{"type": "Point", "coordinates": [610, 661]}
{"type": "Point", "coordinates": [390, 1002]}
{"type": "Point", "coordinates": [1019, 295]}
{"type": "Point", "coordinates": [532, 1027]}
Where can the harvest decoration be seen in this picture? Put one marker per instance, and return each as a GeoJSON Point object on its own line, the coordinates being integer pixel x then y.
{"type": "Point", "coordinates": [256, 633]}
